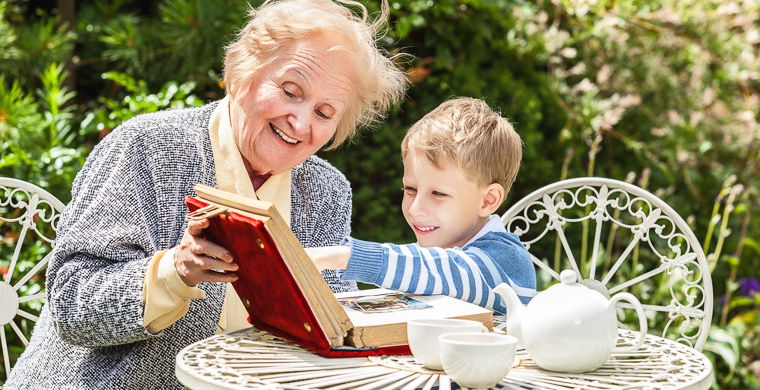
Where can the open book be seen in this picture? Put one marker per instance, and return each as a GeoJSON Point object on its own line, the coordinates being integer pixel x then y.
{"type": "Point", "coordinates": [285, 294]}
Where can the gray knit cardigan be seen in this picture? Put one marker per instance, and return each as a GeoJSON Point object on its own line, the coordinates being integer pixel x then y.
{"type": "Point", "coordinates": [128, 204]}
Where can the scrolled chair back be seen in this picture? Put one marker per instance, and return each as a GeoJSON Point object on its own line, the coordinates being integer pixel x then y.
{"type": "Point", "coordinates": [618, 237]}
{"type": "Point", "coordinates": [29, 218]}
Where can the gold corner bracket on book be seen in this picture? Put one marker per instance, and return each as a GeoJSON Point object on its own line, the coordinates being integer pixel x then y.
{"type": "Point", "coordinates": [236, 201]}
{"type": "Point", "coordinates": [209, 211]}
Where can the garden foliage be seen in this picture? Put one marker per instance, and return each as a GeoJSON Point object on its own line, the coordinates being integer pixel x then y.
{"type": "Point", "coordinates": [662, 93]}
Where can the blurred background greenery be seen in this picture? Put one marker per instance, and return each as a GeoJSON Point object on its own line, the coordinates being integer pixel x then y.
{"type": "Point", "coordinates": [661, 93]}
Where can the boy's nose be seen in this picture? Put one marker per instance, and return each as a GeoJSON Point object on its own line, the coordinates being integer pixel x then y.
{"type": "Point", "coordinates": [417, 207]}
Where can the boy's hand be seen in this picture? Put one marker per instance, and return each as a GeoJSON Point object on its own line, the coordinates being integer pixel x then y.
{"type": "Point", "coordinates": [330, 257]}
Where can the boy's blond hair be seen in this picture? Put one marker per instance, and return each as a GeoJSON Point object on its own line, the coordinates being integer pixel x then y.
{"type": "Point", "coordinates": [467, 133]}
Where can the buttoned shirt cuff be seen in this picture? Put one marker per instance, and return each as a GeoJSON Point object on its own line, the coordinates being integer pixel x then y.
{"type": "Point", "coordinates": [166, 297]}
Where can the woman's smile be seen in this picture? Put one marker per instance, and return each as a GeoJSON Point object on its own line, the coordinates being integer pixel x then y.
{"type": "Point", "coordinates": [282, 135]}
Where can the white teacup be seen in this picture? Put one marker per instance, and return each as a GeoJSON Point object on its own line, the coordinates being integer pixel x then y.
{"type": "Point", "coordinates": [477, 360]}
{"type": "Point", "coordinates": [423, 337]}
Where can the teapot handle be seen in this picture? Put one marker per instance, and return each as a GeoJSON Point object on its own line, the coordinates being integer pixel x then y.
{"type": "Point", "coordinates": [624, 296]}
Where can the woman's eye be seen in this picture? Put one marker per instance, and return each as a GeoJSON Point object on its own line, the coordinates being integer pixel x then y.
{"type": "Point", "coordinates": [290, 90]}
{"type": "Point", "coordinates": [322, 115]}
{"type": "Point", "coordinates": [325, 111]}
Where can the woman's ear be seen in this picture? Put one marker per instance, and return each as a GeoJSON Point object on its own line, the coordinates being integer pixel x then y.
{"type": "Point", "coordinates": [493, 195]}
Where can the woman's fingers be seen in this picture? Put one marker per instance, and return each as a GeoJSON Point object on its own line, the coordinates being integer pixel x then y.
{"type": "Point", "coordinates": [206, 269]}
{"type": "Point", "coordinates": [199, 260]}
{"type": "Point", "coordinates": [195, 227]}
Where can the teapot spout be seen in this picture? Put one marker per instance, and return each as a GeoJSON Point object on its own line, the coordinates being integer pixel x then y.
{"type": "Point", "coordinates": [515, 309]}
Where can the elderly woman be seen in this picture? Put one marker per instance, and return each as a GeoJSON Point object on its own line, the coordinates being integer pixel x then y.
{"type": "Point", "coordinates": [130, 282]}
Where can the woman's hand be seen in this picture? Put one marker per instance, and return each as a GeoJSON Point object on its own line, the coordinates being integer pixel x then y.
{"type": "Point", "coordinates": [199, 260]}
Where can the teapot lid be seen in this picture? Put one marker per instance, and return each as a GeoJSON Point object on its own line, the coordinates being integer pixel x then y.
{"type": "Point", "coordinates": [569, 290]}
{"type": "Point", "coordinates": [568, 276]}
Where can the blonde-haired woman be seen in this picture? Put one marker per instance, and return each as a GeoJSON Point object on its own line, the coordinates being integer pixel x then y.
{"type": "Point", "coordinates": [130, 282]}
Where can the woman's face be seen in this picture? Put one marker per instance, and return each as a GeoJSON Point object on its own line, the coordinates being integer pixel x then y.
{"type": "Point", "coordinates": [292, 108]}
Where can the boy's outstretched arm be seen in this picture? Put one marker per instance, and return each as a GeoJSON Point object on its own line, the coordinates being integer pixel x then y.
{"type": "Point", "coordinates": [469, 274]}
{"type": "Point", "coordinates": [330, 257]}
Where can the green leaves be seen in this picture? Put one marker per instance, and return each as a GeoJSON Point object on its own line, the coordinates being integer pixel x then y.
{"type": "Point", "coordinates": [17, 109]}
{"type": "Point", "coordinates": [39, 133]}
{"type": "Point", "coordinates": [724, 345]}
{"type": "Point", "coordinates": [136, 99]}
{"type": "Point", "coordinates": [38, 43]}
{"type": "Point", "coordinates": [55, 98]}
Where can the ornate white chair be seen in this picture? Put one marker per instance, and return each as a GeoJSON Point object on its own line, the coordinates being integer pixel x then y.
{"type": "Point", "coordinates": [619, 237]}
{"type": "Point", "coordinates": [29, 219]}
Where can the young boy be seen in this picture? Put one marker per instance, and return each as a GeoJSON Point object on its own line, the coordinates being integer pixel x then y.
{"type": "Point", "coordinates": [460, 161]}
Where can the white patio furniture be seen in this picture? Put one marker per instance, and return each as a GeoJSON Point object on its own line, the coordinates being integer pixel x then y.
{"type": "Point", "coordinates": [28, 221]}
{"type": "Point", "coordinates": [619, 237]}
{"type": "Point", "coordinates": [614, 235]}
{"type": "Point", "coordinates": [254, 359]}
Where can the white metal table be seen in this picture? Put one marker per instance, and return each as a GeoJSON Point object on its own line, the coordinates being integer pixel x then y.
{"type": "Point", "coordinates": [254, 359]}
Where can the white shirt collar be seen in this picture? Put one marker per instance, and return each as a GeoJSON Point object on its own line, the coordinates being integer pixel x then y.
{"type": "Point", "coordinates": [494, 224]}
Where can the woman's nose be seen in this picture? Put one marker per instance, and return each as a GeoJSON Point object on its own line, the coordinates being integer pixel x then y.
{"type": "Point", "coordinates": [300, 120]}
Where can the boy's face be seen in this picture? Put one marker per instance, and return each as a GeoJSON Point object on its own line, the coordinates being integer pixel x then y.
{"type": "Point", "coordinates": [442, 206]}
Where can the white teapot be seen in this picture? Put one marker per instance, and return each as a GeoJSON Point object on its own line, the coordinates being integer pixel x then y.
{"type": "Point", "coordinates": [568, 327]}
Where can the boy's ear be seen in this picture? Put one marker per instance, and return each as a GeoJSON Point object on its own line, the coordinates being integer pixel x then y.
{"type": "Point", "coordinates": [493, 195]}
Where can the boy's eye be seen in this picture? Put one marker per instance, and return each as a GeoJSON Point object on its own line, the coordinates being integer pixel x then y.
{"type": "Point", "coordinates": [410, 190]}
{"type": "Point", "coordinates": [439, 194]}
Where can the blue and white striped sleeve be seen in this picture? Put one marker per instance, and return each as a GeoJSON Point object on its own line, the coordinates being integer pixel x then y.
{"type": "Point", "coordinates": [468, 273]}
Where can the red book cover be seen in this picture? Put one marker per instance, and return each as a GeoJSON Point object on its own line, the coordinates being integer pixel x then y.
{"type": "Point", "coordinates": [268, 286]}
